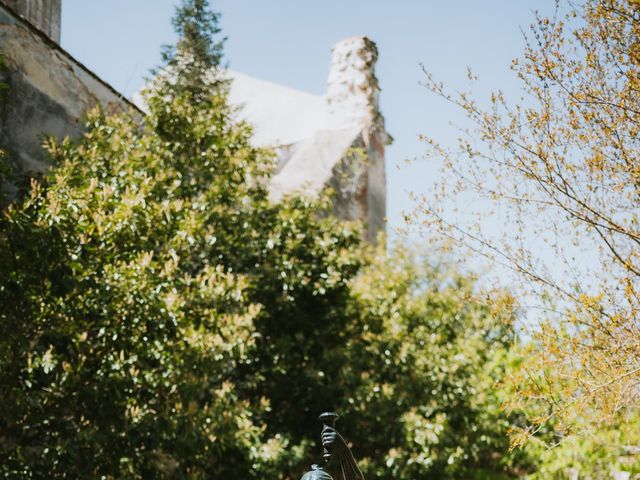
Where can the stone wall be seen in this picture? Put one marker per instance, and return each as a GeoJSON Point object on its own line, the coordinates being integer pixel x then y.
{"type": "Point", "coordinates": [43, 14]}
{"type": "Point", "coordinates": [336, 140]}
{"type": "Point", "coordinates": [49, 92]}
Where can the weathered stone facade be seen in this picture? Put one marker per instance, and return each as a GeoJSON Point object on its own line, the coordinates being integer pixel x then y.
{"type": "Point", "coordinates": [49, 92]}
{"type": "Point", "coordinates": [336, 140]}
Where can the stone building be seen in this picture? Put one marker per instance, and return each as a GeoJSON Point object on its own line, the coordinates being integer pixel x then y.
{"type": "Point", "coordinates": [336, 140]}
{"type": "Point", "coordinates": [50, 91]}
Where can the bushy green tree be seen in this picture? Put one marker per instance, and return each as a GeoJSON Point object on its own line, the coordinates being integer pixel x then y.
{"type": "Point", "coordinates": [161, 318]}
{"type": "Point", "coordinates": [138, 281]}
{"type": "Point", "coordinates": [424, 375]}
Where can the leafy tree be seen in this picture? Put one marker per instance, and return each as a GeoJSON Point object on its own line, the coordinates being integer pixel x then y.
{"type": "Point", "coordinates": [138, 280]}
{"type": "Point", "coordinates": [161, 318]}
{"type": "Point", "coordinates": [563, 167]}
{"type": "Point", "coordinates": [602, 454]}
{"type": "Point", "coordinates": [119, 332]}
{"type": "Point", "coordinates": [423, 377]}
{"type": "Point", "coordinates": [193, 66]}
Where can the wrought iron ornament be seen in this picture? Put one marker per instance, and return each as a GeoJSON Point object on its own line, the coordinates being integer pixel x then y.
{"type": "Point", "coordinates": [334, 447]}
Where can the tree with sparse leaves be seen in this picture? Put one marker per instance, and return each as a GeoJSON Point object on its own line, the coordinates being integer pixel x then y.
{"type": "Point", "coordinates": [562, 169]}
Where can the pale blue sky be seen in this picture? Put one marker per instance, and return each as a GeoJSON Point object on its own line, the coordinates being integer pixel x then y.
{"type": "Point", "coordinates": [289, 42]}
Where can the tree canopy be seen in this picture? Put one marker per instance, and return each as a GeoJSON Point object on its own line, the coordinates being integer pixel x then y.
{"type": "Point", "coordinates": [560, 169]}
{"type": "Point", "coordinates": [162, 318]}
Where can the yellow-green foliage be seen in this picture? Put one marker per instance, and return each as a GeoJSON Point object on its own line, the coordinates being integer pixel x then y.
{"type": "Point", "coordinates": [139, 283]}
{"type": "Point", "coordinates": [160, 318]}
{"type": "Point", "coordinates": [559, 171]}
{"type": "Point", "coordinates": [426, 373]}
{"type": "Point", "coordinates": [594, 455]}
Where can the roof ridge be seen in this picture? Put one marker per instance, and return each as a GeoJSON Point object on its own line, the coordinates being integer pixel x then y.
{"type": "Point", "coordinates": [274, 84]}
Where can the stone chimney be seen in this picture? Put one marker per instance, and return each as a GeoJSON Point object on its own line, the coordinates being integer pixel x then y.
{"type": "Point", "coordinates": [352, 101]}
{"type": "Point", "coordinates": [43, 14]}
{"type": "Point", "coordinates": [352, 87]}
